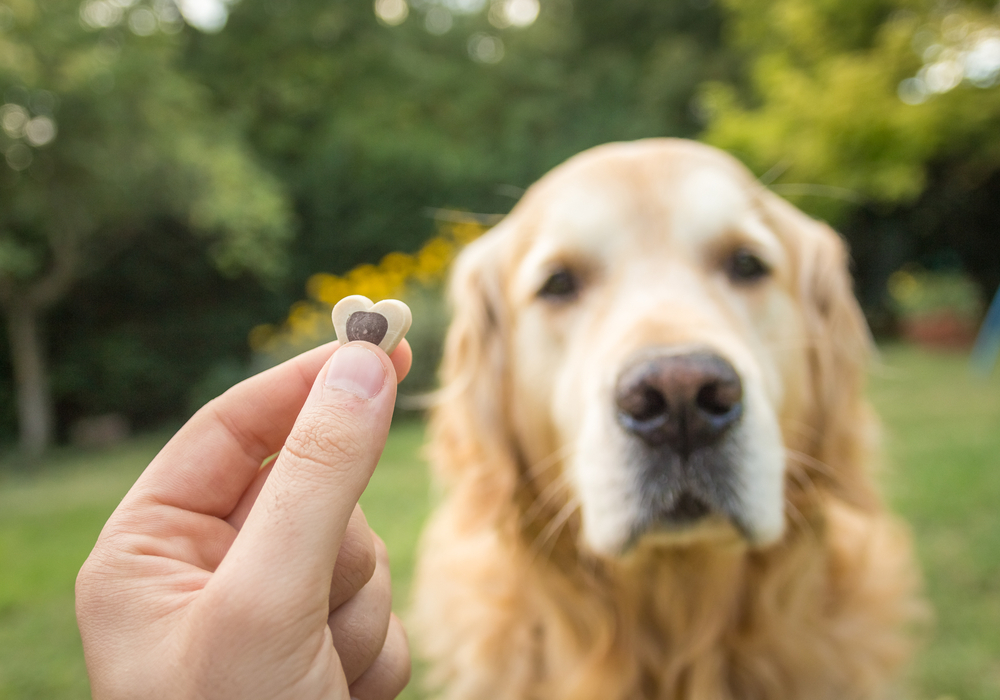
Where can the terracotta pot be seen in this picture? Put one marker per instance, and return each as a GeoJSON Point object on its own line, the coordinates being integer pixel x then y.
{"type": "Point", "coordinates": [940, 329]}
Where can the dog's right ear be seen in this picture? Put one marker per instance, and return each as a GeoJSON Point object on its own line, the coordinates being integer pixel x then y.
{"type": "Point", "coordinates": [470, 427]}
{"type": "Point", "coordinates": [841, 427]}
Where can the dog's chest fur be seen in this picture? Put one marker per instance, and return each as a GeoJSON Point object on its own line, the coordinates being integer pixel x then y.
{"type": "Point", "coordinates": [802, 622]}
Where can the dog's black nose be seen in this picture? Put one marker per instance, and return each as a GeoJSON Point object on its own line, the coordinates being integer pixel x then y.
{"type": "Point", "coordinates": [683, 401]}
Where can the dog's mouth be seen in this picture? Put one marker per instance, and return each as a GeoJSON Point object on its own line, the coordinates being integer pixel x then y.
{"type": "Point", "coordinates": [686, 510]}
{"type": "Point", "coordinates": [678, 519]}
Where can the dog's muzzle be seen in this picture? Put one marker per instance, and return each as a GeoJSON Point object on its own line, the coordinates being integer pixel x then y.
{"type": "Point", "coordinates": [679, 409]}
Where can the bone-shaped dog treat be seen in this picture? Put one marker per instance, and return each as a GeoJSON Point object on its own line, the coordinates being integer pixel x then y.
{"type": "Point", "coordinates": [383, 324]}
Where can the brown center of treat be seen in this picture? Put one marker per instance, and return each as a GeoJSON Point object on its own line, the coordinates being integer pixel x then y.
{"type": "Point", "coordinates": [368, 326]}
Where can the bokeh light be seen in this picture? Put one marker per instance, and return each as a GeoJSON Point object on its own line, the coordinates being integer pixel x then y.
{"type": "Point", "coordinates": [18, 156]}
{"type": "Point", "coordinates": [40, 131]}
{"type": "Point", "coordinates": [142, 22]}
{"type": "Point", "coordinates": [100, 14]}
{"type": "Point", "coordinates": [209, 16]}
{"type": "Point", "coordinates": [520, 13]}
{"type": "Point", "coordinates": [13, 119]}
{"type": "Point", "coordinates": [392, 12]}
{"type": "Point", "coordinates": [465, 7]}
{"type": "Point", "coordinates": [438, 20]}
{"type": "Point", "coordinates": [486, 48]}
{"type": "Point", "coordinates": [159, 15]}
{"type": "Point", "coordinates": [959, 51]}
{"type": "Point", "coordinates": [982, 61]}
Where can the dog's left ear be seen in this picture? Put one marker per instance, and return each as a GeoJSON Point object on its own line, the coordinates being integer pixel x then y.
{"type": "Point", "coordinates": [839, 346]}
{"type": "Point", "coordinates": [471, 440]}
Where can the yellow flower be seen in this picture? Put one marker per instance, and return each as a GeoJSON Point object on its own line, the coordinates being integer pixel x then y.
{"type": "Point", "coordinates": [328, 289]}
{"type": "Point", "coordinates": [467, 231]}
{"type": "Point", "coordinates": [401, 264]}
{"type": "Point", "coordinates": [433, 259]}
{"type": "Point", "coordinates": [309, 320]}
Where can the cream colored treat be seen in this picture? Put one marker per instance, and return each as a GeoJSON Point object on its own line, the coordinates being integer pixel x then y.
{"type": "Point", "coordinates": [383, 324]}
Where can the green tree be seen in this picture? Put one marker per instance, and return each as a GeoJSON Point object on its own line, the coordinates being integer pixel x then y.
{"type": "Point", "coordinates": [445, 104]}
{"type": "Point", "coordinates": [103, 137]}
{"type": "Point", "coordinates": [888, 110]}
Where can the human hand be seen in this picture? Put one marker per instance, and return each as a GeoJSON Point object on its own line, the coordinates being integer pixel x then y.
{"type": "Point", "coordinates": [215, 578]}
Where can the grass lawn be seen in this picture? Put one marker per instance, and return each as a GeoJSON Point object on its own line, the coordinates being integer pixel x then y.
{"type": "Point", "coordinates": [942, 439]}
{"type": "Point", "coordinates": [943, 448]}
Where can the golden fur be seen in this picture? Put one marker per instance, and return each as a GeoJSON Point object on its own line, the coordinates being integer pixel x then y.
{"type": "Point", "coordinates": [511, 603]}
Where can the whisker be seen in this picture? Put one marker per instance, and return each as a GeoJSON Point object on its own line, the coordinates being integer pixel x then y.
{"type": "Point", "coordinates": [795, 514]}
{"type": "Point", "coordinates": [551, 490]}
{"type": "Point", "coordinates": [817, 191]}
{"type": "Point", "coordinates": [802, 429]}
{"type": "Point", "coordinates": [554, 528]}
{"type": "Point", "coordinates": [805, 482]}
{"type": "Point", "coordinates": [462, 217]}
{"type": "Point", "coordinates": [801, 477]}
{"type": "Point", "coordinates": [809, 461]}
{"type": "Point", "coordinates": [544, 464]}
{"type": "Point", "coordinates": [776, 171]}
{"type": "Point", "coordinates": [545, 497]}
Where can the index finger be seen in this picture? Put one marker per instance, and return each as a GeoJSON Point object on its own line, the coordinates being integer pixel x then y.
{"type": "Point", "coordinates": [212, 460]}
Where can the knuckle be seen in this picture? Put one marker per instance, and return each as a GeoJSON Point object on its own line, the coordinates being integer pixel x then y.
{"type": "Point", "coordinates": [96, 576]}
{"type": "Point", "coordinates": [391, 670]}
{"type": "Point", "coordinates": [405, 670]}
{"type": "Point", "coordinates": [399, 650]}
{"type": "Point", "coordinates": [318, 439]}
{"type": "Point", "coordinates": [366, 643]}
{"type": "Point", "coordinates": [84, 590]}
{"type": "Point", "coordinates": [379, 549]}
{"type": "Point", "coordinates": [356, 562]}
{"type": "Point", "coordinates": [366, 564]}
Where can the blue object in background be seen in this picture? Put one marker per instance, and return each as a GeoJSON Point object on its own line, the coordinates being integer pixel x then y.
{"type": "Point", "coordinates": [987, 347]}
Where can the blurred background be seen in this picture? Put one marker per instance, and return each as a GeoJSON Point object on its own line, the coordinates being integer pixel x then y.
{"type": "Point", "coordinates": [188, 186]}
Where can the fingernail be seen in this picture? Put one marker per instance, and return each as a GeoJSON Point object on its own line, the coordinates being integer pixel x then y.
{"type": "Point", "coordinates": [357, 370]}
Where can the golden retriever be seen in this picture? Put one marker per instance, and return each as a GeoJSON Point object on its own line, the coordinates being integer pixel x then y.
{"type": "Point", "coordinates": [655, 450]}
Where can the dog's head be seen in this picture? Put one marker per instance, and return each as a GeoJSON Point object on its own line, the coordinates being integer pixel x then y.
{"type": "Point", "coordinates": [650, 344]}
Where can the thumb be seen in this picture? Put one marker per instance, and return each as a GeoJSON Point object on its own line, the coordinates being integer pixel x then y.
{"type": "Point", "coordinates": [289, 542]}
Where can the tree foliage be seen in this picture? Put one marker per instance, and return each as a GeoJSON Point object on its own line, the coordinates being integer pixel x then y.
{"type": "Point", "coordinates": [372, 124]}
{"type": "Point", "coordinates": [103, 137]}
{"type": "Point", "coordinates": [133, 139]}
{"type": "Point", "coordinates": [886, 109]}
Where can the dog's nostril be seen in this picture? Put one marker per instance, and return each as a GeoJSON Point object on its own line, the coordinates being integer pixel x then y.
{"type": "Point", "coordinates": [719, 398]}
{"type": "Point", "coordinates": [644, 404]}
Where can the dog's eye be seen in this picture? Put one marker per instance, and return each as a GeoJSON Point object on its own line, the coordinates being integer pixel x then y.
{"type": "Point", "coordinates": [744, 267]}
{"type": "Point", "coordinates": [561, 285]}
